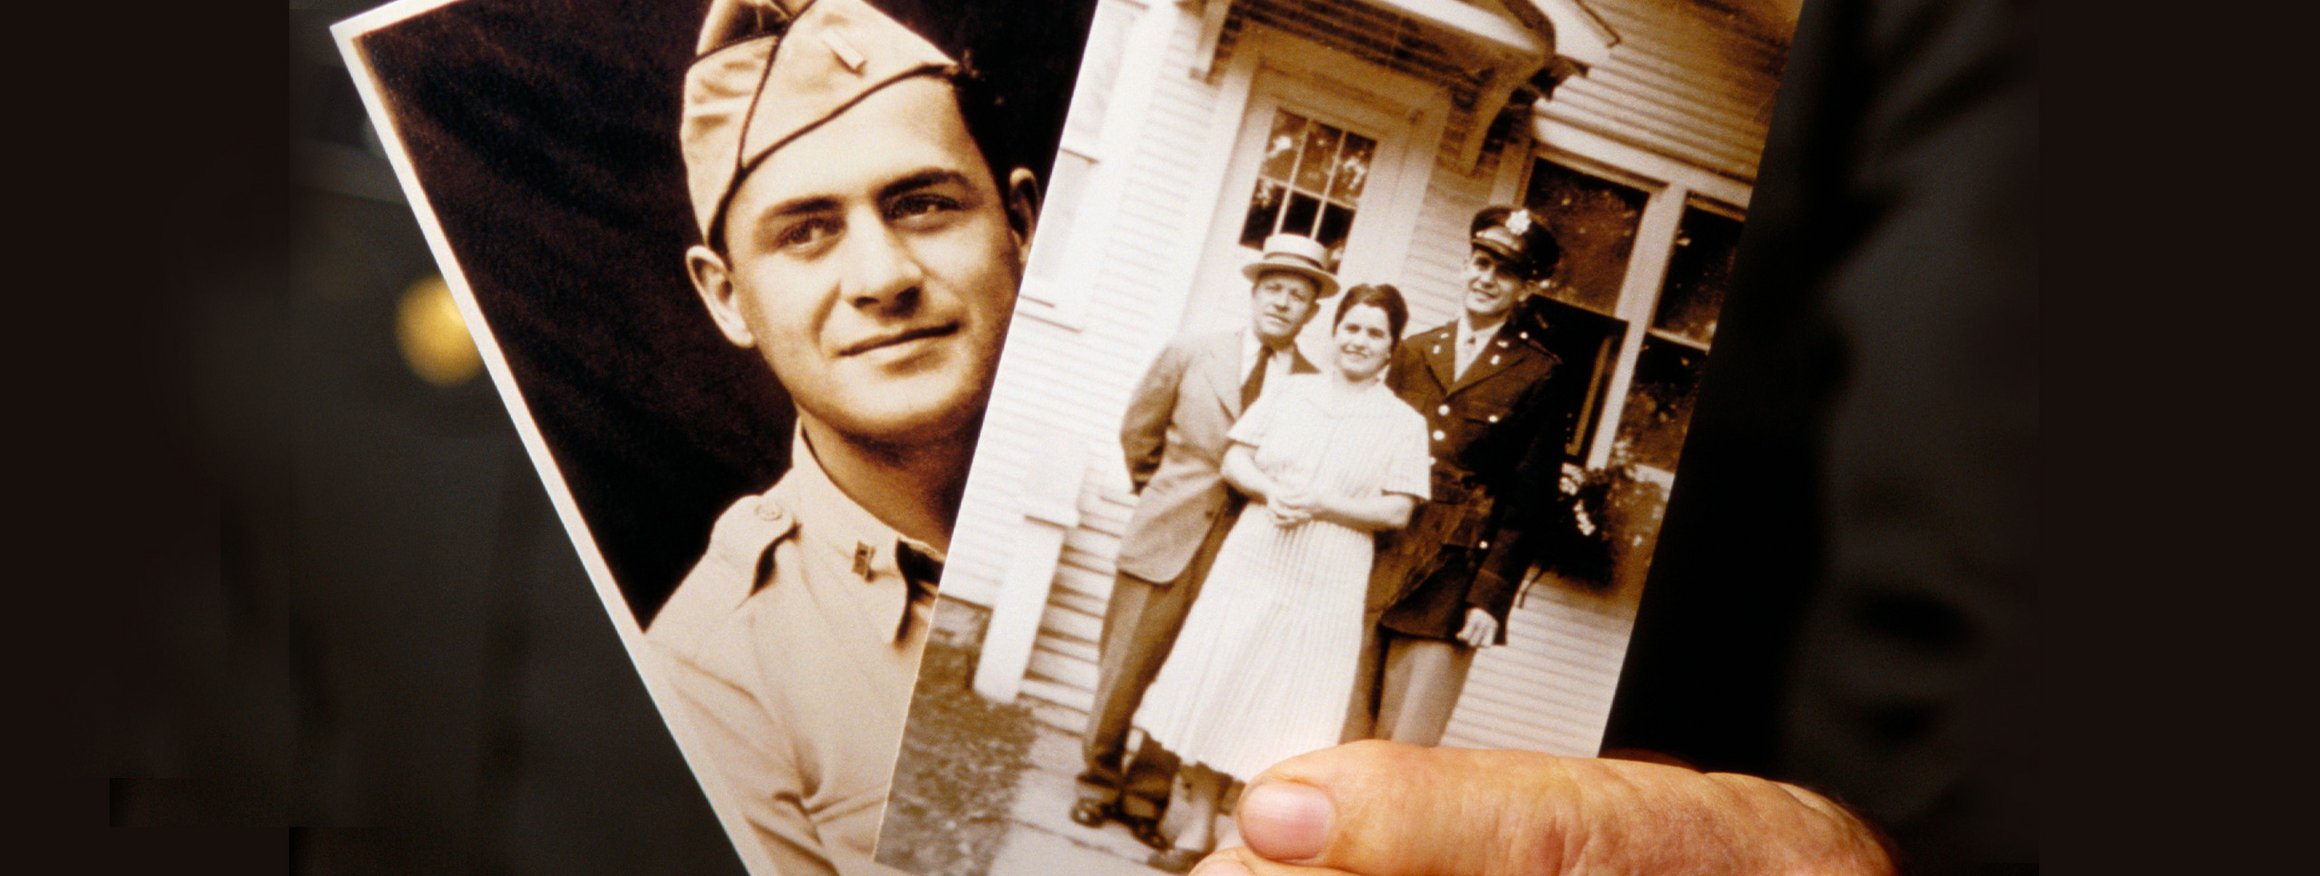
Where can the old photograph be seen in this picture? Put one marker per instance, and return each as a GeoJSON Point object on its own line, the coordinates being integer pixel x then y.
{"type": "Point", "coordinates": [741, 270]}
{"type": "Point", "coordinates": [1343, 401]}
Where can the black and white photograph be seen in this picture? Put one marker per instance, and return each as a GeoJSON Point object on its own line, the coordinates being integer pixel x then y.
{"type": "Point", "coordinates": [1343, 401]}
{"type": "Point", "coordinates": [740, 270]}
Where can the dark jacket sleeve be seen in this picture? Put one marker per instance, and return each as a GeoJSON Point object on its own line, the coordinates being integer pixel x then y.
{"type": "Point", "coordinates": [1526, 503]}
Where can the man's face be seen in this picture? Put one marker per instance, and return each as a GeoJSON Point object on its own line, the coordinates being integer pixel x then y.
{"type": "Point", "coordinates": [1282, 304]}
{"type": "Point", "coordinates": [873, 263]}
{"type": "Point", "coordinates": [1492, 288]}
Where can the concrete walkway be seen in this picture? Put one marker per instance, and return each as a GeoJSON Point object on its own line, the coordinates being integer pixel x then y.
{"type": "Point", "coordinates": [1043, 840]}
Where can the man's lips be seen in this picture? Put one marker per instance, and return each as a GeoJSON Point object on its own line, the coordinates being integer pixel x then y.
{"type": "Point", "coordinates": [904, 336]}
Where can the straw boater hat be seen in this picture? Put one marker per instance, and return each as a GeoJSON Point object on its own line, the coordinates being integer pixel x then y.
{"type": "Point", "coordinates": [1296, 254]}
{"type": "Point", "coordinates": [770, 70]}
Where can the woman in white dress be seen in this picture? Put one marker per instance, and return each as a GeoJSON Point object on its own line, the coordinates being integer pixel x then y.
{"type": "Point", "coordinates": [1264, 667]}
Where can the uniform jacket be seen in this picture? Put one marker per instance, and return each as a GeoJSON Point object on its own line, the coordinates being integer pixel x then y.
{"type": "Point", "coordinates": [1174, 438]}
{"type": "Point", "coordinates": [789, 653]}
{"type": "Point", "coordinates": [1486, 429]}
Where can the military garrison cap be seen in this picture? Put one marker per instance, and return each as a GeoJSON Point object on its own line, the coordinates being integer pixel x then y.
{"type": "Point", "coordinates": [771, 70]}
{"type": "Point", "coordinates": [1518, 236]}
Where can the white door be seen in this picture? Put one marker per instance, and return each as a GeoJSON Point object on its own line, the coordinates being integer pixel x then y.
{"type": "Point", "coordinates": [1313, 161]}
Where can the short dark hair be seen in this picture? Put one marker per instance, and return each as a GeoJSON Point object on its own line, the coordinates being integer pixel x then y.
{"type": "Point", "coordinates": [1382, 296]}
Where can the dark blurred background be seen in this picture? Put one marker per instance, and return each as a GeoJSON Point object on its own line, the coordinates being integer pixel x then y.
{"type": "Point", "coordinates": [338, 629]}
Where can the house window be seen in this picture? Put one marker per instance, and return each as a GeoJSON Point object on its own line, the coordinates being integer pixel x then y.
{"type": "Point", "coordinates": [1683, 322]}
{"type": "Point", "coordinates": [1309, 183]}
{"type": "Point", "coordinates": [1595, 221]}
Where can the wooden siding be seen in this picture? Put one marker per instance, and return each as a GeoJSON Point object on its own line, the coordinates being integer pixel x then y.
{"type": "Point", "coordinates": [1686, 79]}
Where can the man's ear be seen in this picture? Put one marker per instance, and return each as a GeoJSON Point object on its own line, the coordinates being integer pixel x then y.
{"type": "Point", "coordinates": [713, 281]}
{"type": "Point", "coordinates": [1022, 210]}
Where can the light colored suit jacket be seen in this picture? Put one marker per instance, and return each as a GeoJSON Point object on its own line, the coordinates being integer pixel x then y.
{"type": "Point", "coordinates": [1174, 438]}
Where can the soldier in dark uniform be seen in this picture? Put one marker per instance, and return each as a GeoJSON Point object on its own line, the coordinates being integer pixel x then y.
{"type": "Point", "coordinates": [1490, 391]}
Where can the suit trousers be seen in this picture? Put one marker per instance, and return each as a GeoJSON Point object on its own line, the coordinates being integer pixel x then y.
{"type": "Point", "coordinates": [1405, 687]}
{"type": "Point", "coordinates": [1140, 626]}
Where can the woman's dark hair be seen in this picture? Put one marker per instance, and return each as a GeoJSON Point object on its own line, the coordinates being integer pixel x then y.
{"type": "Point", "coordinates": [1382, 296]}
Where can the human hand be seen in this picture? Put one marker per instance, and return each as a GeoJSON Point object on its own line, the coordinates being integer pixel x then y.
{"type": "Point", "coordinates": [1389, 809]}
{"type": "Point", "coordinates": [1290, 507]}
{"type": "Point", "coordinates": [1481, 629]}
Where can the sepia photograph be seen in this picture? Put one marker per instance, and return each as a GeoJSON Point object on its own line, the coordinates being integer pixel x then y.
{"type": "Point", "coordinates": [1343, 401]}
{"type": "Point", "coordinates": [740, 270]}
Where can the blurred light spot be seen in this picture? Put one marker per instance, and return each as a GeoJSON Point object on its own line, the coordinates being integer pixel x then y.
{"type": "Point", "coordinates": [433, 336]}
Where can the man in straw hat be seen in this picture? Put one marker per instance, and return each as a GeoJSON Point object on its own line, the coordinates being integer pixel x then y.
{"type": "Point", "coordinates": [1445, 583]}
{"type": "Point", "coordinates": [856, 236]}
{"type": "Point", "coordinates": [1174, 438]}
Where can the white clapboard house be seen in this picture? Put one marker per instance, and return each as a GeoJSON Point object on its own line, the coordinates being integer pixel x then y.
{"type": "Point", "coordinates": [1380, 126]}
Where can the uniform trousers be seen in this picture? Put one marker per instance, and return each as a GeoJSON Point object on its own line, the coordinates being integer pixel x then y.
{"type": "Point", "coordinates": [1140, 626]}
{"type": "Point", "coordinates": [1405, 687]}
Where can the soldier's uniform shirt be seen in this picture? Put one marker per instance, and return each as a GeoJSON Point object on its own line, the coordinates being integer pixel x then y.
{"type": "Point", "coordinates": [1471, 341]}
{"type": "Point", "coordinates": [789, 654]}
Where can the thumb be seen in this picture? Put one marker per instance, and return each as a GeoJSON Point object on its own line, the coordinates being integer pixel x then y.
{"type": "Point", "coordinates": [1383, 809]}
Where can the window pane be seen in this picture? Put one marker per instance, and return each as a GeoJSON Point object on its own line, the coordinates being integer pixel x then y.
{"type": "Point", "coordinates": [1335, 222]}
{"type": "Point", "coordinates": [1352, 169]}
{"type": "Point", "coordinates": [1264, 211]}
{"type": "Point", "coordinates": [1281, 146]}
{"type": "Point", "coordinates": [1303, 210]}
{"type": "Point", "coordinates": [1699, 271]}
{"type": "Point", "coordinates": [1320, 158]}
{"type": "Point", "coordinates": [1594, 220]}
{"type": "Point", "coordinates": [1659, 402]}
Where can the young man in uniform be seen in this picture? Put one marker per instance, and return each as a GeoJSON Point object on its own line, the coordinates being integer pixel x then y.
{"type": "Point", "coordinates": [1174, 438]}
{"type": "Point", "coordinates": [1444, 584]}
{"type": "Point", "coordinates": [854, 235]}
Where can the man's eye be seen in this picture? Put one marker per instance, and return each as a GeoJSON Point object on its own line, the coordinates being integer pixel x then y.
{"type": "Point", "coordinates": [806, 233]}
{"type": "Point", "coordinates": [921, 204]}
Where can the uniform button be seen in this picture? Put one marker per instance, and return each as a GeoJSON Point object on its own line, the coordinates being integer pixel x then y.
{"type": "Point", "coordinates": [1438, 435]}
{"type": "Point", "coordinates": [1494, 358]}
{"type": "Point", "coordinates": [1486, 544]}
{"type": "Point", "coordinates": [1494, 418]}
{"type": "Point", "coordinates": [1443, 410]}
{"type": "Point", "coordinates": [771, 512]}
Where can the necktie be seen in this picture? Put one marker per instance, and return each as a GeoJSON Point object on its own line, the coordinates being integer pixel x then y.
{"type": "Point", "coordinates": [923, 571]}
{"type": "Point", "coordinates": [1468, 349]}
{"type": "Point", "coordinates": [1256, 382]}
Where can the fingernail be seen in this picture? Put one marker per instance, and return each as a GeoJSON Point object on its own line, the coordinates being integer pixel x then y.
{"type": "Point", "coordinates": [1221, 867]}
{"type": "Point", "coordinates": [1285, 821]}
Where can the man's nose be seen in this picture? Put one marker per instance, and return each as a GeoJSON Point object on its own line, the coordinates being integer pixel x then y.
{"type": "Point", "coordinates": [881, 272]}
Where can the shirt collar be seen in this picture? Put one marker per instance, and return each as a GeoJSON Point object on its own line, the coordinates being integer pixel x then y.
{"type": "Point", "coordinates": [1462, 332]}
{"type": "Point", "coordinates": [851, 539]}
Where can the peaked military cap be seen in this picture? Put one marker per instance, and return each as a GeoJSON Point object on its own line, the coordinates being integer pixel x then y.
{"type": "Point", "coordinates": [769, 71]}
{"type": "Point", "coordinates": [1518, 236]}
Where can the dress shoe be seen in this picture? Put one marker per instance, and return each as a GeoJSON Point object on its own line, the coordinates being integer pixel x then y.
{"type": "Point", "coordinates": [1175, 860]}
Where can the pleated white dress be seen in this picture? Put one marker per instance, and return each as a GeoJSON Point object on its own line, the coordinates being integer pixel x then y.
{"type": "Point", "coordinates": [1264, 666]}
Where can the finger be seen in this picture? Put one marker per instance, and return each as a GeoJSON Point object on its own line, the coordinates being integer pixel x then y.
{"type": "Point", "coordinates": [1385, 809]}
{"type": "Point", "coordinates": [1647, 756]}
{"type": "Point", "coordinates": [1239, 861]}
